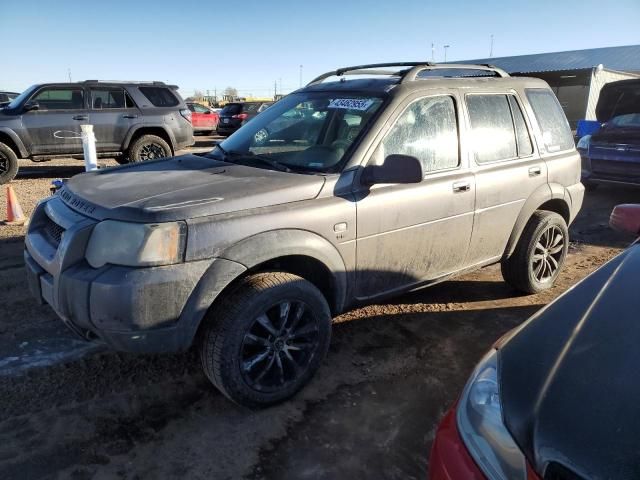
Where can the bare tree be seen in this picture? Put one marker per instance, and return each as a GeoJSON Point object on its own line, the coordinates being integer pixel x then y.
{"type": "Point", "coordinates": [198, 94]}
{"type": "Point", "coordinates": [230, 92]}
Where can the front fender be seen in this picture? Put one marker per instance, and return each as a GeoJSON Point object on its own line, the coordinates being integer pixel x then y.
{"type": "Point", "coordinates": [23, 153]}
{"type": "Point", "coordinates": [216, 278]}
{"type": "Point", "coordinates": [274, 244]}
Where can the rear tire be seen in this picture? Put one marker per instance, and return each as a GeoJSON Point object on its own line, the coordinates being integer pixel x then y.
{"type": "Point", "coordinates": [264, 341]}
{"type": "Point", "coordinates": [539, 256]}
{"type": "Point", "coordinates": [8, 164]}
{"type": "Point", "coordinates": [148, 147]}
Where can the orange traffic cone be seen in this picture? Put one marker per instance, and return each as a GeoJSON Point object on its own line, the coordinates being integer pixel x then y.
{"type": "Point", "coordinates": [15, 216]}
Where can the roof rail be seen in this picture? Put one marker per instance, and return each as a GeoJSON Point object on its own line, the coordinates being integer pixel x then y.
{"type": "Point", "coordinates": [412, 74]}
{"type": "Point", "coordinates": [407, 75]}
{"type": "Point", "coordinates": [125, 82]}
{"type": "Point", "coordinates": [367, 69]}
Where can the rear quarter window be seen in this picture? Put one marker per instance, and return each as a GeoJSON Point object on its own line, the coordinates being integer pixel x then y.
{"type": "Point", "coordinates": [556, 134]}
{"type": "Point", "coordinates": [160, 96]}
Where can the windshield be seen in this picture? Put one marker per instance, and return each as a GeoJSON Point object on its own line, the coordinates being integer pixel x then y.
{"type": "Point", "coordinates": [16, 101]}
{"type": "Point", "coordinates": [309, 131]}
{"type": "Point", "coordinates": [630, 120]}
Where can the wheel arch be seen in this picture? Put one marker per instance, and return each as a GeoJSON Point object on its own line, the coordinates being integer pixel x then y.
{"type": "Point", "coordinates": [12, 140]}
{"type": "Point", "coordinates": [298, 252]}
{"type": "Point", "coordinates": [552, 198]}
{"type": "Point", "coordinates": [137, 131]}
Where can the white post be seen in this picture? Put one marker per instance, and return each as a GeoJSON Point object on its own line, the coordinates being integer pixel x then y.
{"type": "Point", "coordinates": [89, 148]}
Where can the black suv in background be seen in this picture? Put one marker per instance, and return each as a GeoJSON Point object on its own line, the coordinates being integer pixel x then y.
{"type": "Point", "coordinates": [6, 97]}
{"type": "Point", "coordinates": [236, 114]}
{"type": "Point", "coordinates": [132, 122]}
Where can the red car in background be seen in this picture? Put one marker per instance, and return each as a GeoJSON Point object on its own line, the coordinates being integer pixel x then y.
{"type": "Point", "coordinates": [203, 119]}
{"type": "Point", "coordinates": [557, 398]}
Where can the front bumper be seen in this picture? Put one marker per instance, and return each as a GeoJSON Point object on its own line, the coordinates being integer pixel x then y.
{"type": "Point", "coordinates": [610, 170]}
{"type": "Point", "coordinates": [130, 309]}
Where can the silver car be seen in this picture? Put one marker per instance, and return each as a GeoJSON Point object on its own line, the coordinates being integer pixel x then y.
{"type": "Point", "coordinates": [341, 193]}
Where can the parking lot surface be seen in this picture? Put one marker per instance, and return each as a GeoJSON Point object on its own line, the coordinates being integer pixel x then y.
{"type": "Point", "coordinates": [73, 410]}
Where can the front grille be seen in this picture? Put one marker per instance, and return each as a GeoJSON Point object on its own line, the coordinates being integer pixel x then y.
{"type": "Point", "coordinates": [53, 231]}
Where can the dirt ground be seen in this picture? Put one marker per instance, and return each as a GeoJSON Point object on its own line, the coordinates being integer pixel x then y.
{"type": "Point", "coordinates": [73, 410]}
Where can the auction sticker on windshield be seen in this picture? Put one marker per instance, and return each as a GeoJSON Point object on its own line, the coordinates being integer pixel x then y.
{"type": "Point", "coordinates": [351, 103]}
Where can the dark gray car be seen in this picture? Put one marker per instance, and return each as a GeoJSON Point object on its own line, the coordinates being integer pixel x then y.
{"type": "Point", "coordinates": [370, 188]}
{"type": "Point", "coordinates": [132, 122]}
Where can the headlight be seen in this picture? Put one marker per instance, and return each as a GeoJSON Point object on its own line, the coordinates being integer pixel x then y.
{"type": "Point", "coordinates": [481, 426]}
{"type": "Point", "coordinates": [136, 244]}
{"type": "Point", "coordinates": [583, 143]}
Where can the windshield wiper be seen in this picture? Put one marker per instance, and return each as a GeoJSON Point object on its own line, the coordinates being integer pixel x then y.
{"type": "Point", "coordinates": [224, 152]}
{"type": "Point", "coordinates": [260, 158]}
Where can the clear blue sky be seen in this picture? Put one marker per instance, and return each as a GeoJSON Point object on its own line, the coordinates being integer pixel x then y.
{"type": "Point", "coordinates": [250, 44]}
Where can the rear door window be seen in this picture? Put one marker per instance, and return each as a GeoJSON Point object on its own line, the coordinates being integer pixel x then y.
{"type": "Point", "coordinates": [556, 134]}
{"type": "Point", "coordinates": [492, 132]}
{"type": "Point", "coordinates": [105, 98]}
{"type": "Point", "coordinates": [160, 96]}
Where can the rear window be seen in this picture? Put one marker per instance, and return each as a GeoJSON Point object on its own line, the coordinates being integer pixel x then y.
{"type": "Point", "coordinates": [160, 96]}
{"type": "Point", "coordinates": [556, 134]}
{"type": "Point", "coordinates": [231, 109]}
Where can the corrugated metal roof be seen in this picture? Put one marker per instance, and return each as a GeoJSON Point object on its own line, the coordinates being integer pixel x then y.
{"type": "Point", "coordinates": [626, 59]}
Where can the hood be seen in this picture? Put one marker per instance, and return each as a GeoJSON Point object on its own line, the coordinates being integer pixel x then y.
{"type": "Point", "coordinates": [618, 98]}
{"type": "Point", "coordinates": [182, 187]}
{"type": "Point", "coordinates": [569, 378]}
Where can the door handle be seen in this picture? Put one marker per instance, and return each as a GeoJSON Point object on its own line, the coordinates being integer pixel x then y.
{"type": "Point", "coordinates": [80, 117]}
{"type": "Point", "coordinates": [535, 171]}
{"type": "Point", "coordinates": [128, 115]}
{"type": "Point", "coordinates": [461, 187]}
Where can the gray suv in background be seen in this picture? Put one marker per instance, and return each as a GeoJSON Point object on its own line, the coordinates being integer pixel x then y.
{"type": "Point", "coordinates": [132, 122]}
{"type": "Point", "coordinates": [342, 193]}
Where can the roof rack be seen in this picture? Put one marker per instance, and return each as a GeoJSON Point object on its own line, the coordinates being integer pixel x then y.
{"type": "Point", "coordinates": [126, 82]}
{"type": "Point", "coordinates": [406, 75]}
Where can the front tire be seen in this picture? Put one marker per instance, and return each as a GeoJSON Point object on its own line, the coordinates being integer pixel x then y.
{"type": "Point", "coordinates": [8, 164]}
{"type": "Point", "coordinates": [148, 147]}
{"type": "Point", "coordinates": [266, 339]}
{"type": "Point", "coordinates": [539, 256]}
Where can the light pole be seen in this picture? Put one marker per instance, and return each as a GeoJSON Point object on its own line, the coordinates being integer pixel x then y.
{"type": "Point", "coordinates": [446, 47]}
{"type": "Point", "coordinates": [300, 76]}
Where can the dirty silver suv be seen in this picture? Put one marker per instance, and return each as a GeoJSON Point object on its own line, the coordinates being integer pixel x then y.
{"type": "Point", "coordinates": [393, 177]}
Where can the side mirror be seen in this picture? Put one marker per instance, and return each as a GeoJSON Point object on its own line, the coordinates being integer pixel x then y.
{"type": "Point", "coordinates": [31, 105]}
{"type": "Point", "coordinates": [395, 169]}
{"type": "Point", "coordinates": [626, 218]}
